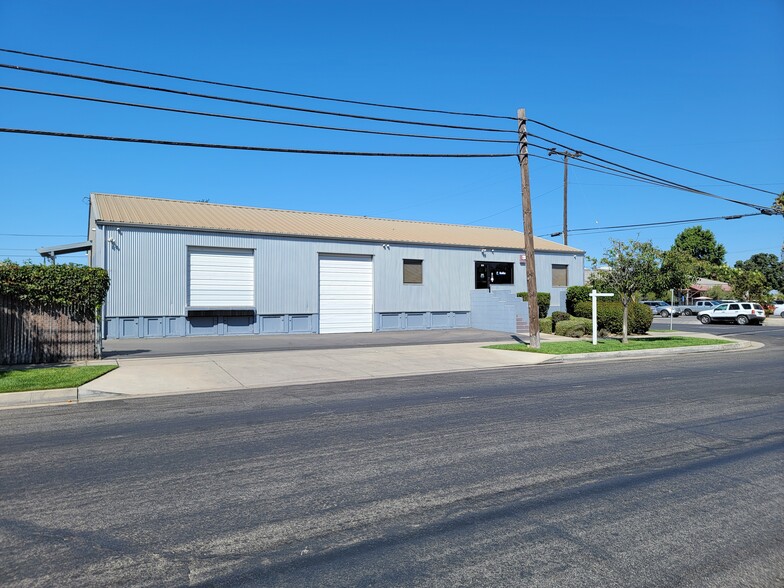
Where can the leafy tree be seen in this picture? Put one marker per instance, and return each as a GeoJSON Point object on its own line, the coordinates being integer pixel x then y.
{"type": "Point", "coordinates": [632, 267]}
{"type": "Point", "coordinates": [747, 284]}
{"type": "Point", "coordinates": [678, 270]}
{"type": "Point", "coordinates": [778, 203]}
{"type": "Point", "coordinates": [700, 244]}
{"type": "Point", "coordinates": [769, 266]}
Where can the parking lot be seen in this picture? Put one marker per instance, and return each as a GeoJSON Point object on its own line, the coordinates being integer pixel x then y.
{"type": "Point", "coordinates": [771, 332]}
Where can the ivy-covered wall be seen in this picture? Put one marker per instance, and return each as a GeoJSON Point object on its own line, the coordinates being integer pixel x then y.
{"type": "Point", "coordinates": [66, 284]}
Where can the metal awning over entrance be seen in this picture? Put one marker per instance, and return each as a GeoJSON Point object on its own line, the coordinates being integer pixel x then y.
{"type": "Point", "coordinates": [53, 251]}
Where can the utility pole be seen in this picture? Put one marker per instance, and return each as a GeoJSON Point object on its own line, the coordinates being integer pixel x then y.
{"type": "Point", "coordinates": [566, 155]}
{"type": "Point", "coordinates": [528, 231]}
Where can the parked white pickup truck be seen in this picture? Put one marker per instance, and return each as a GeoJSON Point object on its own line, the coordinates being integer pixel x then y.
{"type": "Point", "coordinates": [695, 307]}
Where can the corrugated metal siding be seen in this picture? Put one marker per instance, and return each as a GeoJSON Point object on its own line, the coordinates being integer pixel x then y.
{"type": "Point", "coordinates": [148, 269]}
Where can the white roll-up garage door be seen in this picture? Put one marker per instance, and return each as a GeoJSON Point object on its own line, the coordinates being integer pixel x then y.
{"type": "Point", "coordinates": [220, 278]}
{"type": "Point", "coordinates": [345, 294]}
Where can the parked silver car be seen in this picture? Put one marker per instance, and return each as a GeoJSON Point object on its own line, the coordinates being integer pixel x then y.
{"type": "Point", "coordinates": [742, 313]}
{"type": "Point", "coordinates": [661, 308]}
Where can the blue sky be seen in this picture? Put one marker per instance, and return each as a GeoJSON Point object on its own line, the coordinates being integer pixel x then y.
{"type": "Point", "coordinates": [698, 84]}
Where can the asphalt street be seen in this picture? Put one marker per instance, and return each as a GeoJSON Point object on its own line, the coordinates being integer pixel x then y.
{"type": "Point", "coordinates": [665, 472]}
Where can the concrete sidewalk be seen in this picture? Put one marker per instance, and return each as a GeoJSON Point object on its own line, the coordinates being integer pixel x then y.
{"type": "Point", "coordinates": [202, 373]}
{"type": "Point", "coordinates": [182, 374]}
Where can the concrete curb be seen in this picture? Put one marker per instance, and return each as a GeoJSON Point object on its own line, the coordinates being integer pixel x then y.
{"type": "Point", "coordinates": [651, 353]}
{"type": "Point", "coordinates": [39, 397]}
{"type": "Point", "coordinates": [89, 393]}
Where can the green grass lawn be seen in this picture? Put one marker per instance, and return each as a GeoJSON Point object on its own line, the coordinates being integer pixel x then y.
{"type": "Point", "coordinates": [604, 345]}
{"type": "Point", "coordinates": [50, 378]}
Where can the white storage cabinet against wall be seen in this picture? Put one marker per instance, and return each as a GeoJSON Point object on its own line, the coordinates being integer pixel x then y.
{"type": "Point", "coordinates": [345, 294]}
{"type": "Point", "coordinates": [220, 278]}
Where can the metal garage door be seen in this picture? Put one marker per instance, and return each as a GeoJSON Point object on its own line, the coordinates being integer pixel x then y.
{"type": "Point", "coordinates": [345, 294]}
{"type": "Point", "coordinates": [220, 278]}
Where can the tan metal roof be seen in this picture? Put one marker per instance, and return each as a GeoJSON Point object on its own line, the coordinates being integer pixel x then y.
{"type": "Point", "coordinates": [157, 212]}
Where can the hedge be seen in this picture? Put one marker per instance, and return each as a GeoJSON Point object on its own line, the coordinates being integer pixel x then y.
{"type": "Point", "coordinates": [574, 327]}
{"type": "Point", "coordinates": [67, 284]}
{"type": "Point", "coordinates": [542, 301]}
{"type": "Point", "coordinates": [575, 294]}
{"type": "Point", "coordinates": [609, 316]}
{"type": "Point", "coordinates": [559, 316]}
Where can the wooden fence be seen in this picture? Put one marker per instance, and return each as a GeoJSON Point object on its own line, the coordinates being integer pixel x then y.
{"type": "Point", "coordinates": [41, 334]}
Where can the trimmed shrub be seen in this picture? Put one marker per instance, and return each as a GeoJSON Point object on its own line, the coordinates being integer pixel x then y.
{"type": "Point", "coordinates": [575, 294]}
{"type": "Point", "coordinates": [54, 284]}
{"type": "Point", "coordinates": [576, 327]}
{"type": "Point", "coordinates": [559, 316]}
{"type": "Point", "coordinates": [583, 309]}
{"type": "Point", "coordinates": [546, 325]}
{"type": "Point", "coordinates": [542, 301]}
{"type": "Point", "coordinates": [640, 318]}
{"type": "Point", "coordinates": [609, 316]}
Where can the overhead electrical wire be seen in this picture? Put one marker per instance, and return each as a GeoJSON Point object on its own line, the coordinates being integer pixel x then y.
{"type": "Point", "coordinates": [255, 88]}
{"type": "Point", "coordinates": [670, 183]}
{"type": "Point", "coordinates": [249, 102]}
{"type": "Point", "coordinates": [247, 118]}
{"type": "Point", "coordinates": [618, 149]}
{"type": "Point", "coordinates": [655, 224]}
{"type": "Point", "coordinates": [373, 104]}
{"type": "Point", "coordinates": [656, 179]}
{"type": "Point", "coordinates": [252, 147]}
{"type": "Point", "coordinates": [34, 235]}
{"type": "Point", "coordinates": [597, 167]}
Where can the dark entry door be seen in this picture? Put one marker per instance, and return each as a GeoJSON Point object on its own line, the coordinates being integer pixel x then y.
{"type": "Point", "coordinates": [492, 273]}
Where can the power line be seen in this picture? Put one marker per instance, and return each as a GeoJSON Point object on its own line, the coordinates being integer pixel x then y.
{"type": "Point", "coordinates": [254, 88]}
{"type": "Point", "coordinates": [249, 102]}
{"type": "Point", "coordinates": [691, 171]}
{"type": "Point", "coordinates": [250, 147]}
{"type": "Point", "coordinates": [355, 102]}
{"type": "Point", "coordinates": [34, 235]}
{"type": "Point", "coordinates": [670, 183]}
{"type": "Point", "coordinates": [246, 118]}
{"type": "Point", "coordinates": [620, 174]}
{"type": "Point", "coordinates": [656, 224]}
{"type": "Point", "coordinates": [379, 119]}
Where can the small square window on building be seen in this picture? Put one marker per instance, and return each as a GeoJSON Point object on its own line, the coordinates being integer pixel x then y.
{"type": "Point", "coordinates": [412, 271]}
{"type": "Point", "coordinates": [560, 276]}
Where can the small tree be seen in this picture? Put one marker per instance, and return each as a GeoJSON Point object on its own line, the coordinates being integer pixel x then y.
{"type": "Point", "coordinates": [631, 267]}
{"type": "Point", "coordinates": [678, 270]}
{"type": "Point", "coordinates": [770, 267]}
{"type": "Point", "coordinates": [716, 292]}
{"type": "Point", "coordinates": [748, 284]}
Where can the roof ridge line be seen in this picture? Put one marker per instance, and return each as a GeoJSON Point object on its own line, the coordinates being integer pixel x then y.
{"type": "Point", "coordinates": [311, 212]}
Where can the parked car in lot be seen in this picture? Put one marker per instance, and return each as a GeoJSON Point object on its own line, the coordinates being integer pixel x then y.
{"type": "Point", "coordinates": [661, 308]}
{"type": "Point", "coordinates": [697, 306]}
{"type": "Point", "coordinates": [742, 313]}
{"type": "Point", "coordinates": [778, 309]}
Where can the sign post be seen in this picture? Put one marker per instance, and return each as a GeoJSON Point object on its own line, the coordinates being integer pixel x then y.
{"type": "Point", "coordinates": [594, 296]}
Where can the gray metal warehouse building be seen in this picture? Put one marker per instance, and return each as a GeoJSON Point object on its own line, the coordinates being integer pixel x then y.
{"type": "Point", "coordinates": [182, 268]}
